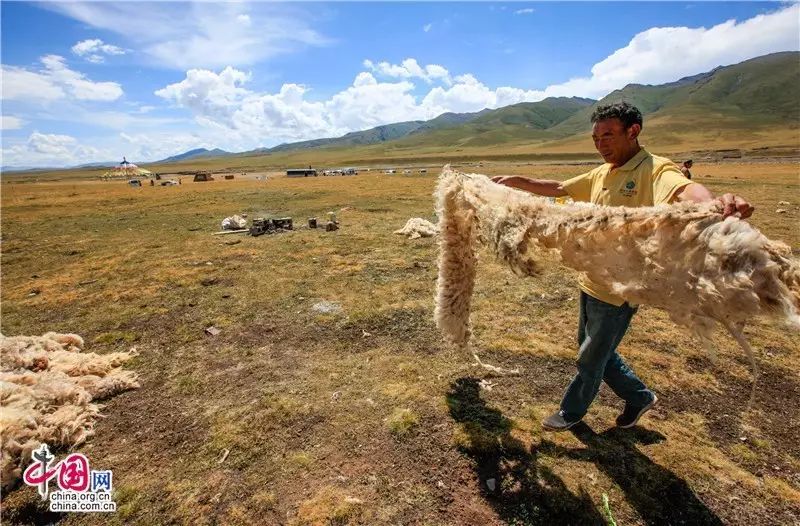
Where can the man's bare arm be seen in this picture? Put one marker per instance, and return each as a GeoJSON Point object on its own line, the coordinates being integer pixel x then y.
{"type": "Point", "coordinates": [543, 187]}
{"type": "Point", "coordinates": [732, 205]}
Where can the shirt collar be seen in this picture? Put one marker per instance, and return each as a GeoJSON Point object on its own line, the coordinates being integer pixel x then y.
{"type": "Point", "coordinates": [634, 161]}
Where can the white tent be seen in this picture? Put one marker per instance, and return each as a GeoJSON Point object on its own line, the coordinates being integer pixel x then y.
{"type": "Point", "coordinates": [125, 170]}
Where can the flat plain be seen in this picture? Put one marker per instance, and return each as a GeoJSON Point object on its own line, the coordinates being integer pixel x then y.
{"type": "Point", "coordinates": [328, 385]}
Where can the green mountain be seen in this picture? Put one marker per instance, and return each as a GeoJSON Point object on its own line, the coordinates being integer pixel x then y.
{"type": "Point", "coordinates": [379, 134]}
{"type": "Point", "coordinates": [534, 115]}
{"type": "Point", "coordinates": [752, 105]}
{"type": "Point", "coordinates": [756, 92]}
{"type": "Point", "coordinates": [197, 153]}
{"type": "Point", "coordinates": [523, 121]}
{"type": "Point", "coordinates": [375, 135]}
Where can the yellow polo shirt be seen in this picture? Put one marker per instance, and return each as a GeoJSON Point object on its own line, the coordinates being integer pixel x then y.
{"type": "Point", "coordinates": [645, 180]}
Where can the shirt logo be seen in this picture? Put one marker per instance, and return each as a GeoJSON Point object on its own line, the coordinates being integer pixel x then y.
{"type": "Point", "coordinates": [629, 190]}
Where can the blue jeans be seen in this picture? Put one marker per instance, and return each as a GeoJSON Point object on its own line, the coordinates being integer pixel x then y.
{"type": "Point", "coordinates": [600, 329]}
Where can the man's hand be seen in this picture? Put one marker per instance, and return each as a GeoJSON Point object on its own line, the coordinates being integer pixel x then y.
{"type": "Point", "coordinates": [505, 180]}
{"type": "Point", "coordinates": [543, 187]}
{"type": "Point", "coordinates": [729, 204]}
{"type": "Point", "coordinates": [733, 205]}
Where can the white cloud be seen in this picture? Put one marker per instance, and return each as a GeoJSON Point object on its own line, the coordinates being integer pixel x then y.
{"type": "Point", "coordinates": [209, 35]}
{"type": "Point", "coordinates": [148, 147]}
{"type": "Point", "coordinates": [11, 123]}
{"type": "Point", "coordinates": [43, 149]}
{"type": "Point", "coordinates": [665, 54]}
{"type": "Point", "coordinates": [76, 83]}
{"type": "Point", "coordinates": [213, 96]}
{"type": "Point", "coordinates": [368, 105]}
{"type": "Point", "coordinates": [227, 113]}
{"type": "Point", "coordinates": [427, 27]}
{"type": "Point", "coordinates": [410, 68]}
{"type": "Point", "coordinates": [221, 102]}
{"type": "Point", "coordinates": [21, 84]}
{"type": "Point", "coordinates": [51, 144]}
{"type": "Point", "coordinates": [468, 94]}
{"type": "Point", "coordinates": [53, 82]}
{"type": "Point", "coordinates": [94, 49]}
{"type": "Point", "coordinates": [526, 11]}
{"type": "Point", "coordinates": [364, 79]}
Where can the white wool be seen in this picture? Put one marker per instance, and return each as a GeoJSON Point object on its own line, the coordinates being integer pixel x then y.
{"type": "Point", "coordinates": [234, 223]}
{"type": "Point", "coordinates": [683, 258]}
{"type": "Point", "coordinates": [46, 388]}
{"type": "Point", "coordinates": [417, 227]}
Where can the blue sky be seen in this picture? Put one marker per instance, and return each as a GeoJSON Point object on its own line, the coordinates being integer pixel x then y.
{"type": "Point", "coordinates": [86, 82]}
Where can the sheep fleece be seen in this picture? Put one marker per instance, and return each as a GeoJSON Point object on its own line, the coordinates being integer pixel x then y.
{"type": "Point", "coordinates": [47, 386]}
{"type": "Point", "coordinates": [683, 258]}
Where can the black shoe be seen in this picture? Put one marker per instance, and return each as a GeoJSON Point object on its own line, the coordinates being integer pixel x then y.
{"type": "Point", "coordinates": [557, 422]}
{"type": "Point", "coordinates": [633, 413]}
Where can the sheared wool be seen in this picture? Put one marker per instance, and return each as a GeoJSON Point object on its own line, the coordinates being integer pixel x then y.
{"type": "Point", "coordinates": [683, 258]}
{"type": "Point", "coordinates": [47, 386]}
{"type": "Point", "coordinates": [417, 227]}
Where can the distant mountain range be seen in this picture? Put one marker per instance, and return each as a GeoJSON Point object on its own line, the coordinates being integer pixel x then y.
{"type": "Point", "coordinates": [756, 93]}
{"type": "Point", "coordinates": [197, 153]}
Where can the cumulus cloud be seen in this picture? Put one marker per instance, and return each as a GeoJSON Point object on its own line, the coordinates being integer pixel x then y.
{"type": "Point", "coordinates": [54, 81]}
{"type": "Point", "coordinates": [468, 94]}
{"type": "Point", "coordinates": [93, 50]}
{"type": "Point", "coordinates": [208, 94]}
{"type": "Point", "coordinates": [207, 35]}
{"type": "Point", "coordinates": [408, 69]}
{"type": "Point", "coordinates": [42, 149]}
{"type": "Point", "coordinates": [222, 101]}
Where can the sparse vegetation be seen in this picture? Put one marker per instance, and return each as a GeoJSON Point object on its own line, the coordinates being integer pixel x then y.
{"type": "Point", "coordinates": [301, 399]}
{"type": "Point", "coordinates": [607, 509]}
{"type": "Point", "coordinates": [401, 422]}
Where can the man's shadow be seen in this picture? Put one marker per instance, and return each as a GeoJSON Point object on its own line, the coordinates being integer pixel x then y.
{"type": "Point", "coordinates": [524, 493]}
{"type": "Point", "coordinates": [657, 494]}
{"type": "Point", "coordinates": [527, 493]}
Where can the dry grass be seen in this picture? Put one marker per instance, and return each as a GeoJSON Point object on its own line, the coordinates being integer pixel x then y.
{"type": "Point", "coordinates": [301, 398]}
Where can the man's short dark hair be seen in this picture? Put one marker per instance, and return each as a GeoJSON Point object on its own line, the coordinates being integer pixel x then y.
{"type": "Point", "coordinates": [627, 113]}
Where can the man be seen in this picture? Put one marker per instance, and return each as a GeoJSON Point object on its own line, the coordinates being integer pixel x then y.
{"type": "Point", "coordinates": [685, 169]}
{"type": "Point", "coordinates": [631, 176]}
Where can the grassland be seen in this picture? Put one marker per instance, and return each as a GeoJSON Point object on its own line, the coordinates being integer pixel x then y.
{"type": "Point", "coordinates": [361, 415]}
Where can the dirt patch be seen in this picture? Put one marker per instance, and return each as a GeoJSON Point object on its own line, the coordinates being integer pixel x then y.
{"type": "Point", "coordinates": [768, 432]}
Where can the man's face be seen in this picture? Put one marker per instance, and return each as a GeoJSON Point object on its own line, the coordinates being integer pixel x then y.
{"type": "Point", "coordinates": [613, 141]}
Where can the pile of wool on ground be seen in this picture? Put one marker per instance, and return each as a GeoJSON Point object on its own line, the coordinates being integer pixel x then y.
{"type": "Point", "coordinates": [47, 386]}
{"type": "Point", "coordinates": [417, 227]}
{"type": "Point", "coordinates": [683, 258]}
